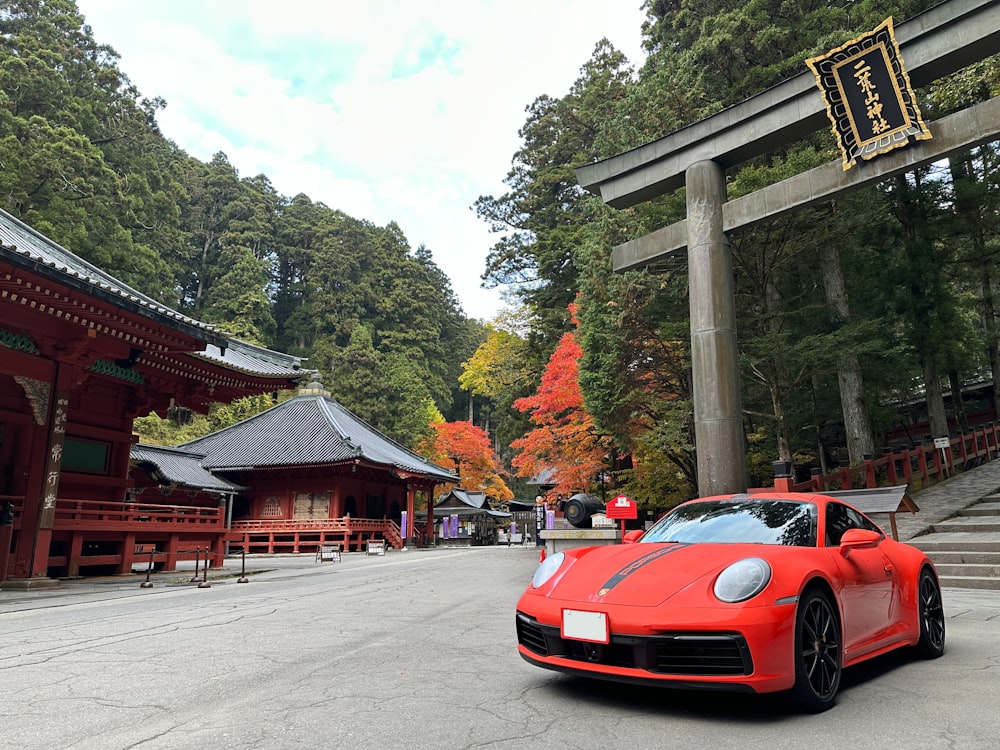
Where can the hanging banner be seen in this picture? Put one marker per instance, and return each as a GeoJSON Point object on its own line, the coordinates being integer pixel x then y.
{"type": "Point", "coordinates": [868, 96]}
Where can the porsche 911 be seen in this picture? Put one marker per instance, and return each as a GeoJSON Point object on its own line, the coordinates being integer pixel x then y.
{"type": "Point", "coordinates": [748, 592]}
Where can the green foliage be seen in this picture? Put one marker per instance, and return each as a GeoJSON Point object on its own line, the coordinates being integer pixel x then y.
{"type": "Point", "coordinates": [82, 160]}
{"type": "Point", "coordinates": [796, 329]}
{"type": "Point", "coordinates": [542, 216]}
{"type": "Point", "coordinates": [180, 425]}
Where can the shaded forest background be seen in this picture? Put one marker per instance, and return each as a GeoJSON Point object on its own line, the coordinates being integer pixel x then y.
{"type": "Point", "coordinates": [846, 310]}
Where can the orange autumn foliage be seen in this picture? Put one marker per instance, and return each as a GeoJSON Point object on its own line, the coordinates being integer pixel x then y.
{"type": "Point", "coordinates": [565, 438]}
{"type": "Point", "coordinates": [466, 450]}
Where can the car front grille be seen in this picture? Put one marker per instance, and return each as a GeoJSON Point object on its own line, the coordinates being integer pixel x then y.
{"type": "Point", "coordinates": [687, 654]}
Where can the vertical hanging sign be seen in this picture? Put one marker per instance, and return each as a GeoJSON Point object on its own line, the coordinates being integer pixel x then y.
{"type": "Point", "coordinates": [53, 462]}
{"type": "Point", "coordinates": [868, 96]}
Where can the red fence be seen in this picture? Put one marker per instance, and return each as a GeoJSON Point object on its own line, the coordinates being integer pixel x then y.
{"type": "Point", "coordinates": [307, 534]}
{"type": "Point", "coordinates": [109, 516]}
{"type": "Point", "coordinates": [96, 537]}
{"type": "Point", "coordinates": [917, 467]}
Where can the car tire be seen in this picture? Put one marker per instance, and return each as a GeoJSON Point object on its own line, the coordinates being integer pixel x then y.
{"type": "Point", "coordinates": [818, 653]}
{"type": "Point", "coordinates": [930, 610]}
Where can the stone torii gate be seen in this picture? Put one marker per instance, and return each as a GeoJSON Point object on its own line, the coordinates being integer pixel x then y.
{"type": "Point", "coordinates": [936, 43]}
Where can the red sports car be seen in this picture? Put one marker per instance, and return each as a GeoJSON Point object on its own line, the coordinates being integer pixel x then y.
{"type": "Point", "coordinates": [747, 592]}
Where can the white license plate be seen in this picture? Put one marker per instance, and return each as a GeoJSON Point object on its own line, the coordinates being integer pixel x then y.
{"type": "Point", "coordinates": [585, 626]}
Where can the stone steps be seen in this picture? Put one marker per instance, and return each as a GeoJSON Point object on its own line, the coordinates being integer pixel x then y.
{"type": "Point", "coordinates": [963, 557]}
{"type": "Point", "coordinates": [969, 524]}
{"type": "Point", "coordinates": [957, 542]}
{"type": "Point", "coordinates": [982, 509]}
{"type": "Point", "coordinates": [975, 570]}
{"type": "Point", "coordinates": [966, 548]}
{"type": "Point", "coordinates": [971, 582]}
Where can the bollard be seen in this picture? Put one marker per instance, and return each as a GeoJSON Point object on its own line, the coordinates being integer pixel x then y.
{"type": "Point", "coordinates": [147, 584]}
{"type": "Point", "coordinates": [197, 562]}
{"type": "Point", "coordinates": [204, 578]}
{"type": "Point", "coordinates": [243, 568]}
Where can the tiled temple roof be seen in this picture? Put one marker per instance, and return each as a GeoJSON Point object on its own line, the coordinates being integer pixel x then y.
{"type": "Point", "coordinates": [179, 467]}
{"type": "Point", "coordinates": [309, 429]}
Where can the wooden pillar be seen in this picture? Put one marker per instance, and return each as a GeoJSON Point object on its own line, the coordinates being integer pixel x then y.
{"type": "Point", "coordinates": [336, 501]}
{"type": "Point", "coordinates": [75, 553]}
{"type": "Point", "coordinates": [51, 404]}
{"type": "Point", "coordinates": [128, 554]}
{"type": "Point", "coordinates": [411, 504]}
{"type": "Point", "coordinates": [21, 566]}
{"type": "Point", "coordinates": [6, 533]}
{"type": "Point", "coordinates": [173, 545]}
{"type": "Point", "coordinates": [218, 554]}
{"type": "Point", "coordinates": [718, 421]}
{"type": "Point", "coordinates": [429, 526]}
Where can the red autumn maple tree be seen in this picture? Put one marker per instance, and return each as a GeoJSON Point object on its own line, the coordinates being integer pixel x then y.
{"type": "Point", "coordinates": [565, 439]}
{"type": "Point", "coordinates": [466, 450]}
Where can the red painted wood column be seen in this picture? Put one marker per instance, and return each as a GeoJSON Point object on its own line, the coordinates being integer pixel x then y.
{"type": "Point", "coordinates": [75, 553]}
{"type": "Point", "coordinates": [411, 502]}
{"type": "Point", "coordinates": [429, 527]}
{"type": "Point", "coordinates": [31, 557]}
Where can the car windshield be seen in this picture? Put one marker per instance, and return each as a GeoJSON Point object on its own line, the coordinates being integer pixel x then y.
{"type": "Point", "coordinates": [746, 519]}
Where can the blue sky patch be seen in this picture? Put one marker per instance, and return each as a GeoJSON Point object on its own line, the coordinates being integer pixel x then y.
{"type": "Point", "coordinates": [437, 51]}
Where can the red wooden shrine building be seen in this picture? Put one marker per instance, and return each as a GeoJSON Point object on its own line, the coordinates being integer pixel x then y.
{"type": "Point", "coordinates": [81, 356]}
{"type": "Point", "coordinates": [315, 474]}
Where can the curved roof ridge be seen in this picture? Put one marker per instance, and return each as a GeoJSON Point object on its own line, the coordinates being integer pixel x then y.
{"type": "Point", "coordinates": [228, 428]}
{"type": "Point", "coordinates": [324, 403]}
{"type": "Point", "coordinates": [332, 402]}
{"type": "Point", "coordinates": [403, 457]}
{"type": "Point", "coordinates": [49, 257]}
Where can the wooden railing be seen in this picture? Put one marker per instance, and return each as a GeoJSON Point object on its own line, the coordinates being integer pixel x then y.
{"type": "Point", "coordinates": [304, 535]}
{"type": "Point", "coordinates": [111, 516]}
{"type": "Point", "coordinates": [917, 466]}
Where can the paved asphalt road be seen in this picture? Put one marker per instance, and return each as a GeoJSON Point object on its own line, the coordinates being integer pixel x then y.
{"type": "Point", "coordinates": [416, 650]}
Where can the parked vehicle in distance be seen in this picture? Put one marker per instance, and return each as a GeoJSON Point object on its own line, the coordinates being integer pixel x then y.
{"type": "Point", "coordinates": [747, 592]}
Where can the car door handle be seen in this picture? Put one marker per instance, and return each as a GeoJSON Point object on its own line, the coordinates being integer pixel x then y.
{"type": "Point", "coordinates": [889, 569]}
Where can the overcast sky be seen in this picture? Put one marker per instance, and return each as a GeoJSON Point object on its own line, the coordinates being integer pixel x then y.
{"type": "Point", "coordinates": [389, 111]}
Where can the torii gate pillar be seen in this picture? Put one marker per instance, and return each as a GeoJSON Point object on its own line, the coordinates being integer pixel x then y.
{"type": "Point", "coordinates": [718, 423]}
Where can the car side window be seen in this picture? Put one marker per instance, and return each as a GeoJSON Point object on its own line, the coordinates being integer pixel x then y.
{"type": "Point", "coordinates": [837, 522]}
{"type": "Point", "coordinates": [859, 521]}
{"type": "Point", "coordinates": [840, 518]}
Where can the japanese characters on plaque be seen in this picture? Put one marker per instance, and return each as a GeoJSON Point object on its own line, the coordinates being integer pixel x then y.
{"type": "Point", "coordinates": [53, 462]}
{"type": "Point", "coordinates": [868, 96]}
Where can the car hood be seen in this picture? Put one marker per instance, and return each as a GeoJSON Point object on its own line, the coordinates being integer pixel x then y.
{"type": "Point", "coordinates": [645, 574]}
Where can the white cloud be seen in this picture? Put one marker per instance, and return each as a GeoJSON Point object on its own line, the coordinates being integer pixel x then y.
{"type": "Point", "coordinates": [388, 111]}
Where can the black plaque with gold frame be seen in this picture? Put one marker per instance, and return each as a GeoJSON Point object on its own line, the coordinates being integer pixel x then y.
{"type": "Point", "coordinates": [868, 96]}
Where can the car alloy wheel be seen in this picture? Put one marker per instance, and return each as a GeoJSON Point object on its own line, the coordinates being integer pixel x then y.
{"type": "Point", "coordinates": [931, 609]}
{"type": "Point", "coordinates": [817, 652]}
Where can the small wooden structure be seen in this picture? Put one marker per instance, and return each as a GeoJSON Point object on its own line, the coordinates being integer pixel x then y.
{"type": "Point", "coordinates": [464, 517]}
{"type": "Point", "coordinates": [328, 553]}
{"type": "Point", "coordinates": [872, 500]}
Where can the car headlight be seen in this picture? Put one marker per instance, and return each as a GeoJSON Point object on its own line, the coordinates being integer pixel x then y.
{"type": "Point", "coordinates": [547, 569]}
{"type": "Point", "coordinates": [742, 580]}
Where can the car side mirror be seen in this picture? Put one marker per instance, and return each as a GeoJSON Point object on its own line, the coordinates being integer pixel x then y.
{"type": "Point", "coordinates": [859, 539]}
{"type": "Point", "coordinates": [631, 537]}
